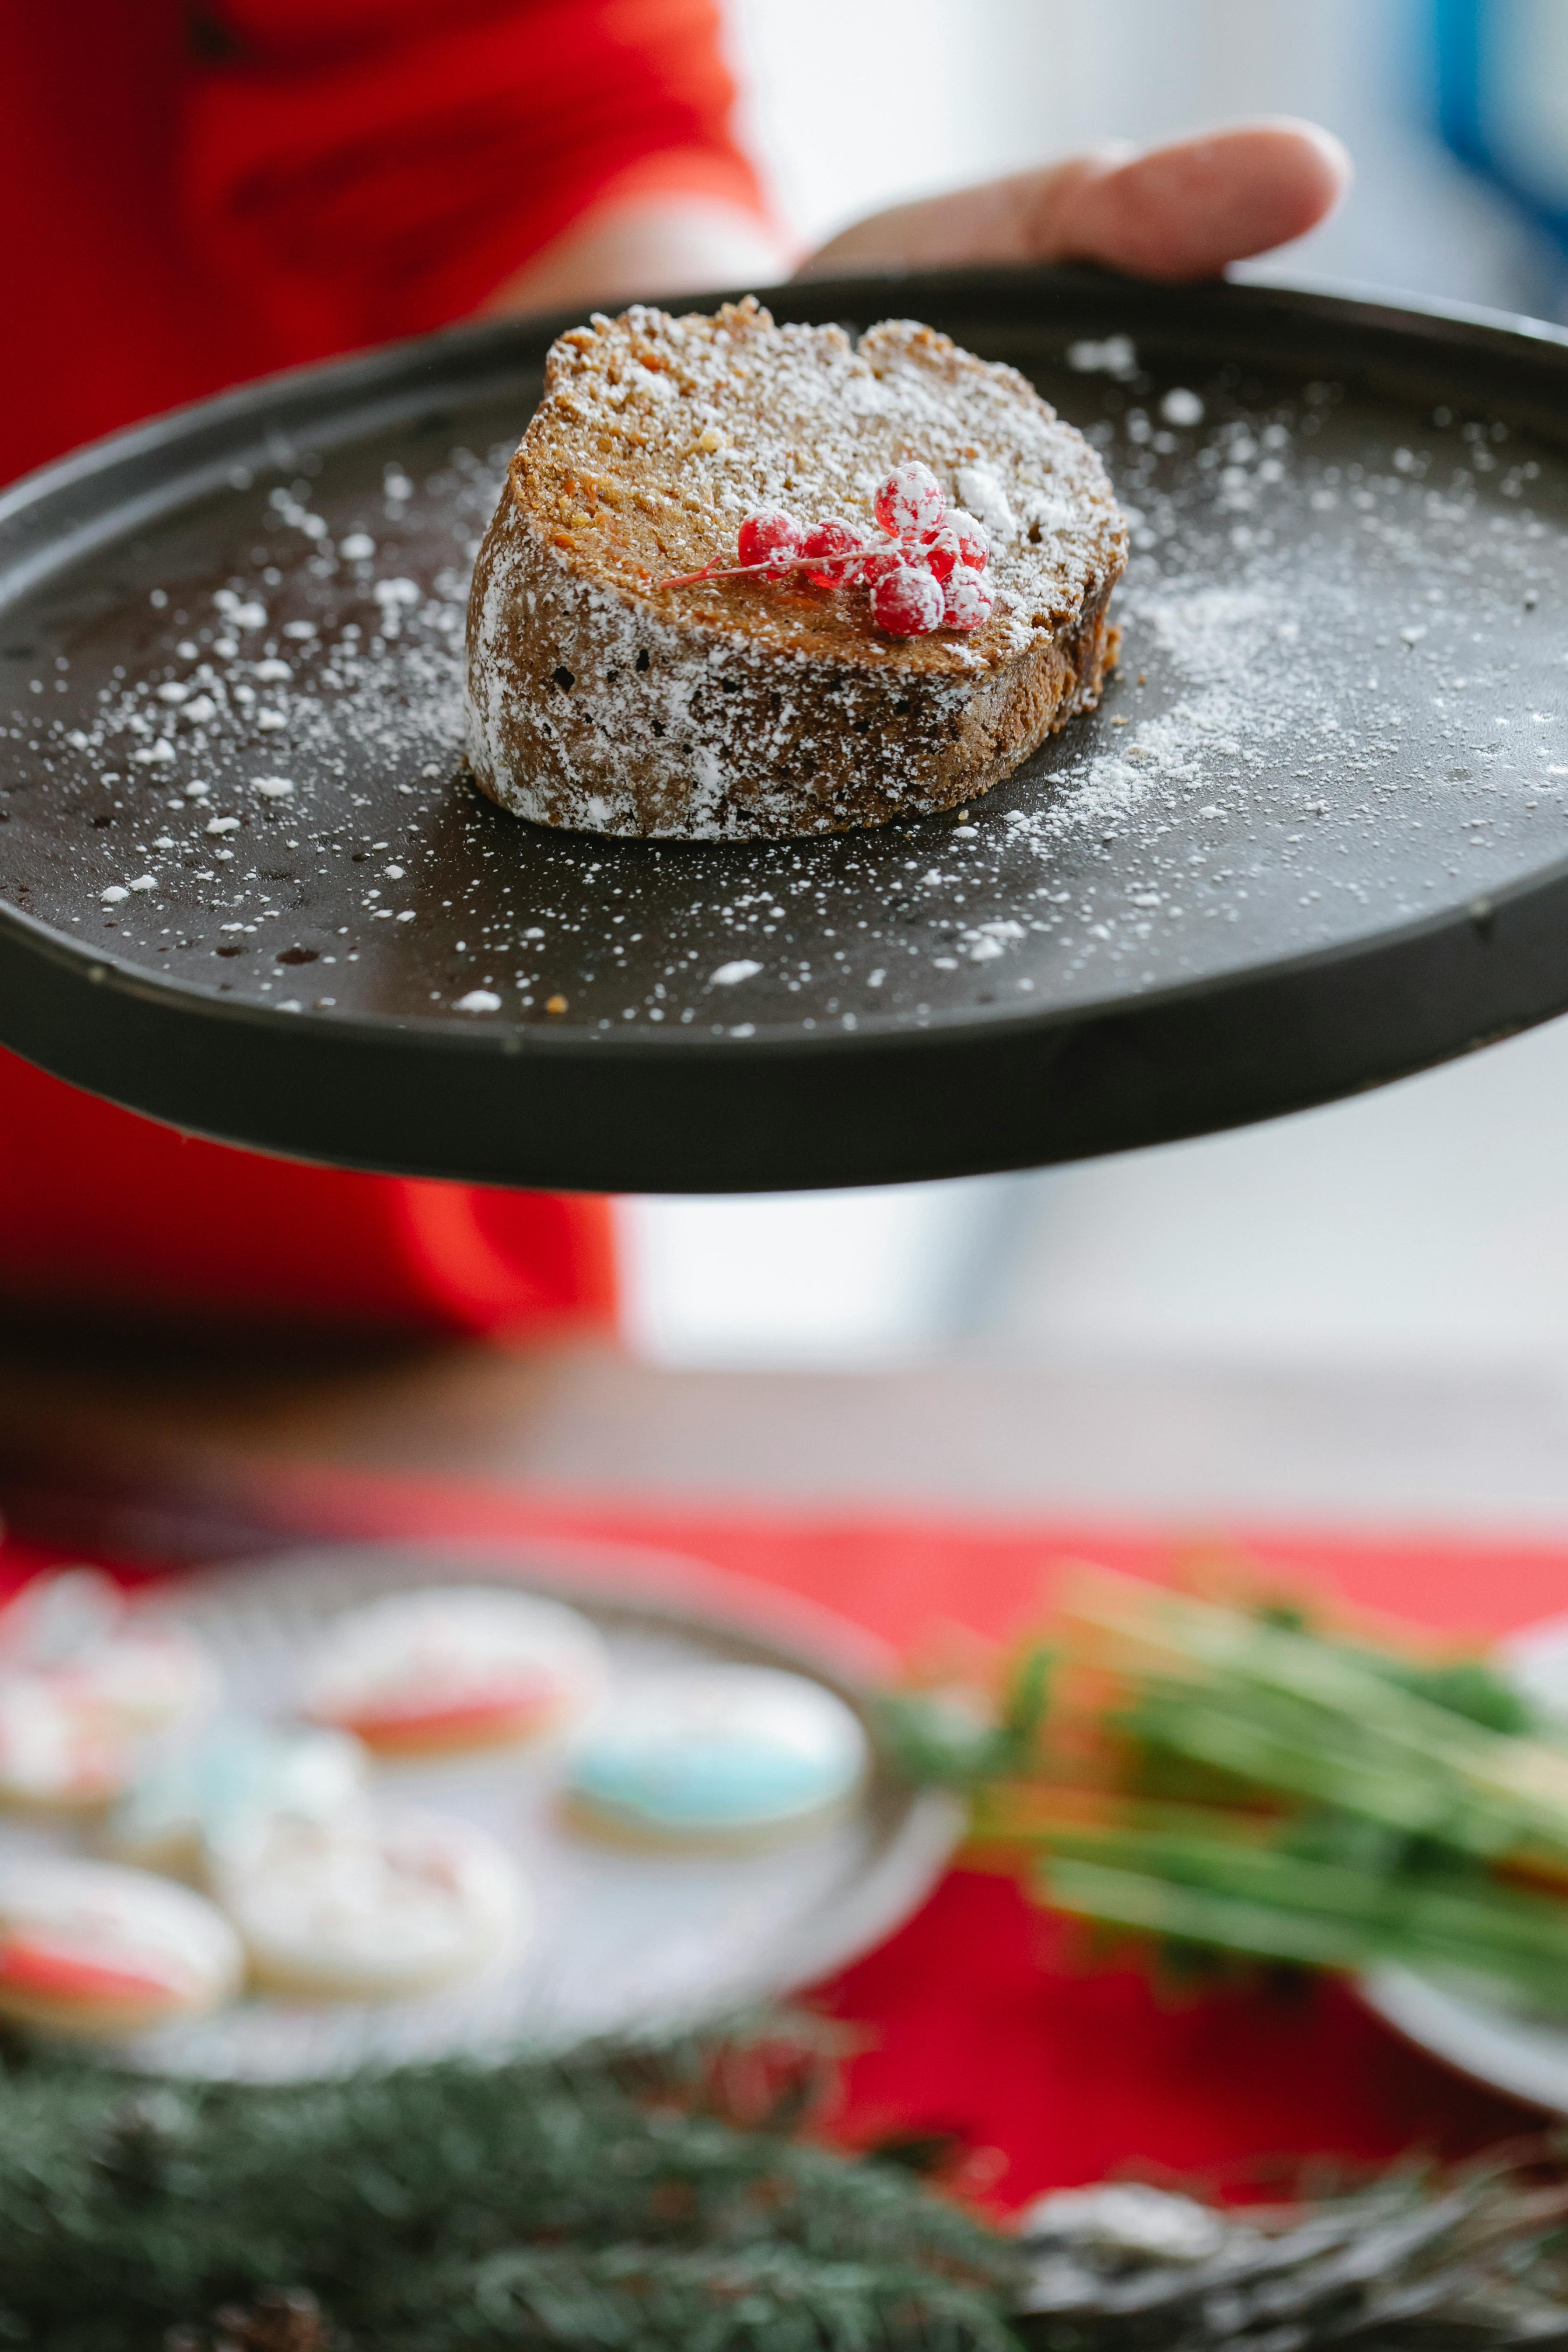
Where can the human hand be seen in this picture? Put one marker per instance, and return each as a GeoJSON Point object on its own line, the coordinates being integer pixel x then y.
{"type": "Point", "coordinates": [1177, 212]}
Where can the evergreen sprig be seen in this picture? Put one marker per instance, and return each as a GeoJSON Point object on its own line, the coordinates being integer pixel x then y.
{"type": "Point", "coordinates": [625, 2198]}
{"type": "Point", "coordinates": [1414, 2261]}
{"type": "Point", "coordinates": [597, 2200]}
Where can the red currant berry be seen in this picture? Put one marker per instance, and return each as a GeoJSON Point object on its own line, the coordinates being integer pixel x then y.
{"type": "Point", "coordinates": [886, 555]}
{"type": "Point", "coordinates": [907, 602]}
{"type": "Point", "coordinates": [770, 537]}
{"type": "Point", "coordinates": [940, 553]}
{"type": "Point", "coordinates": [974, 539]}
{"type": "Point", "coordinates": [960, 539]}
{"type": "Point", "coordinates": [911, 500]}
{"type": "Point", "coordinates": [841, 546]}
{"type": "Point", "coordinates": [968, 601]}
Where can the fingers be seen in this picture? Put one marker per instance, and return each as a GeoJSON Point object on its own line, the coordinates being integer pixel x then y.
{"type": "Point", "coordinates": [1177, 212]}
{"type": "Point", "coordinates": [1184, 211]}
{"type": "Point", "coordinates": [1003, 220]}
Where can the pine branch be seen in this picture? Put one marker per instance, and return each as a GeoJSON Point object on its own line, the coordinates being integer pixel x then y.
{"type": "Point", "coordinates": [611, 2201]}
{"type": "Point", "coordinates": [1468, 2263]}
{"type": "Point", "coordinates": [452, 2208]}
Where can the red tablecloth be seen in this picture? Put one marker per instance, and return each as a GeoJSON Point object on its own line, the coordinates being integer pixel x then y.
{"type": "Point", "coordinates": [979, 2016]}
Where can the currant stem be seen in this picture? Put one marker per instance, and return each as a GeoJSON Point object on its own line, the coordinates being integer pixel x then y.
{"type": "Point", "coordinates": [777, 565]}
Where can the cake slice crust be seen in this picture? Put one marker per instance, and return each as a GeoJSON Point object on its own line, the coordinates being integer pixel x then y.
{"type": "Point", "coordinates": [602, 700]}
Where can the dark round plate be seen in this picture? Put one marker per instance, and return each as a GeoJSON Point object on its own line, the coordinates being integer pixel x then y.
{"type": "Point", "coordinates": [1317, 836]}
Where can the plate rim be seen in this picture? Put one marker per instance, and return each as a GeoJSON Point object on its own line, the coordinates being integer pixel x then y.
{"type": "Point", "coordinates": [1467, 2035]}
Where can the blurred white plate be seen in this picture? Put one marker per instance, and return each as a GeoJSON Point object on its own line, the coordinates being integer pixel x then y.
{"type": "Point", "coordinates": [1516, 2055]}
{"type": "Point", "coordinates": [1525, 2056]}
{"type": "Point", "coordinates": [627, 1942]}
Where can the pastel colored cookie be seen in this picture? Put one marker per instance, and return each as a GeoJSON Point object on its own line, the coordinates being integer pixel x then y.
{"type": "Point", "coordinates": [89, 1948]}
{"type": "Point", "coordinates": [455, 1667]}
{"type": "Point", "coordinates": [148, 1675]}
{"type": "Point", "coordinates": [86, 1679]}
{"type": "Point", "coordinates": [55, 1753]}
{"type": "Point", "coordinates": [194, 1797]}
{"type": "Point", "coordinates": [369, 1908]}
{"type": "Point", "coordinates": [76, 1627]}
{"type": "Point", "coordinates": [718, 1756]}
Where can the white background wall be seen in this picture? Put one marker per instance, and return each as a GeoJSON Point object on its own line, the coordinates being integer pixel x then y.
{"type": "Point", "coordinates": [853, 104]}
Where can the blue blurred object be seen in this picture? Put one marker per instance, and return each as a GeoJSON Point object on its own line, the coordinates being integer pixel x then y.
{"type": "Point", "coordinates": [1502, 99]}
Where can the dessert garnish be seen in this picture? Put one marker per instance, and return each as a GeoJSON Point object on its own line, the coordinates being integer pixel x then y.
{"type": "Point", "coordinates": [924, 567]}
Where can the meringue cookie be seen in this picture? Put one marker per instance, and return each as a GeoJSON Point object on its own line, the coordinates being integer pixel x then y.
{"type": "Point", "coordinates": [89, 1948]}
{"type": "Point", "coordinates": [722, 1755]}
{"type": "Point", "coordinates": [368, 1909]}
{"type": "Point", "coordinates": [455, 1667]}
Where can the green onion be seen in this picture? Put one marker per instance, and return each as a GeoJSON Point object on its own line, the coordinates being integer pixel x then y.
{"type": "Point", "coordinates": [1229, 1777]}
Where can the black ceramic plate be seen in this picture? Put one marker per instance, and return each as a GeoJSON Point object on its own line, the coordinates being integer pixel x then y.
{"type": "Point", "coordinates": [1317, 836]}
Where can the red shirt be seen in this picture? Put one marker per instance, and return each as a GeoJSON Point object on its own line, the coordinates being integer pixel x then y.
{"type": "Point", "coordinates": [197, 195]}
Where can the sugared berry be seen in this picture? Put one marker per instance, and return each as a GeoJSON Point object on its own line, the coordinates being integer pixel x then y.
{"type": "Point", "coordinates": [974, 539]}
{"type": "Point", "coordinates": [910, 501]}
{"type": "Point", "coordinates": [841, 546]}
{"type": "Point", "coordinates": [772, 537]}
{"type": "Point", "coordinates": [960, 540]}
{"type": "Point", "coordinates": [907, 602]}
{"type": "Point", "coordinates": [968, 601]}
{"type": "Point", "coordinates": [941, 552]}
{"type": "Point", "coordinates": [888, 555]}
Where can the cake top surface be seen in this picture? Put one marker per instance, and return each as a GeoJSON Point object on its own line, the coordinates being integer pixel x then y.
{"type": "Point", "coordinates": [657, 436]}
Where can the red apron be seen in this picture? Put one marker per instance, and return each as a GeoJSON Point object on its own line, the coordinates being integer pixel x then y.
{"type": "Point", "coordinates": [201, 195]}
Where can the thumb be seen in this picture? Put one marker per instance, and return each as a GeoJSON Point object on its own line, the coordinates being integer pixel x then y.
{"type": "Point", "coordinates": [1182, 211]}
{"type": "Point", "coordinates": [1185, 210]}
